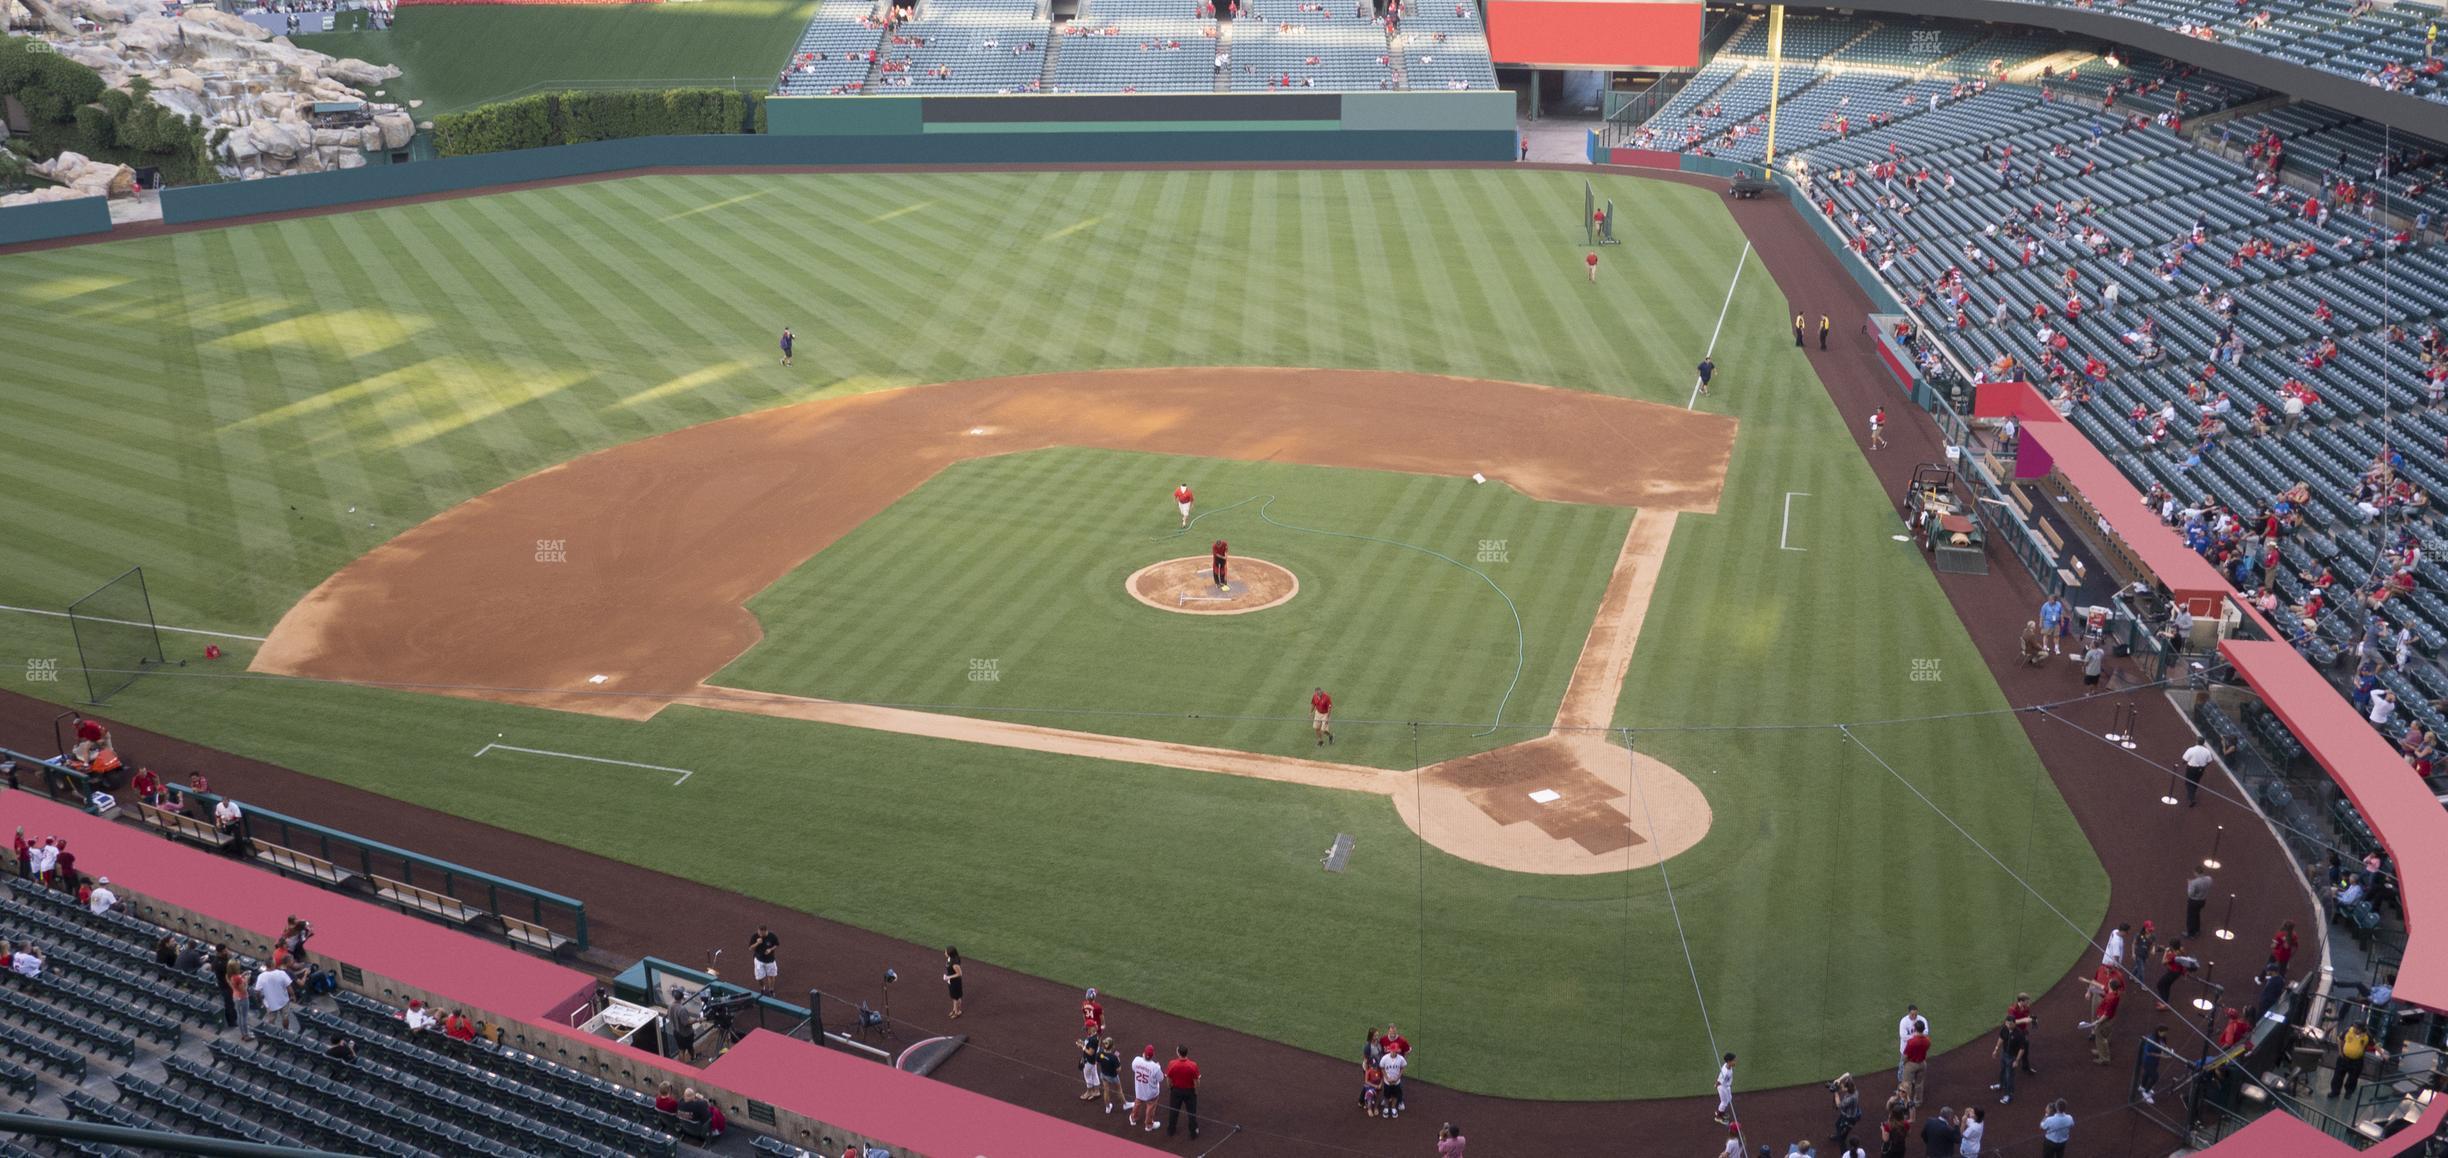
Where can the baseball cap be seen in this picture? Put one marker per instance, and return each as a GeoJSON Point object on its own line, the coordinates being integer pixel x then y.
{"type": "Point", "coordinates": [102, 880]}
{"type": "Point", "coordinates": [1148, 1052]}
{"type": "Point", "coordinates": [1092, 992]}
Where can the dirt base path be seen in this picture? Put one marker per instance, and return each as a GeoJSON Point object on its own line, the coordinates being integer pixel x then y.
{"type": "Point", "coordinates": [1573, 801]}
{"type": "Point", "coordinates": [664, 540]}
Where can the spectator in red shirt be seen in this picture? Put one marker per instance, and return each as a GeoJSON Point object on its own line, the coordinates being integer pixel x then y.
{"type": "Point", "coordinates": [459, 1027]}
{"type": "Point", "coordinates": [2282, 945]}
{"type": "Point", "coordinates": [148, 786]}
{"type": "Point", "coordinates": [1183, 1075]}
{"type": "Point", "coordinates": [1592, 260]}
{"type": "Point", "coordinates": [196, 783]}
{"type": "Point", "coordinates": [1393, 1041]}
{"type": "Point", "coordinates": [2110, 994]}
{"type": "Point", "coordinates": [91, 737]}
{"type": "Point", "coordinates": [1321, 715]}
{"type": "Point", "coordinates": [1912, 1075]}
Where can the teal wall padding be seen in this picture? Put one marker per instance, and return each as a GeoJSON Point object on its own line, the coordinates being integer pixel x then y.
{"type": "Point", "coordinates": [1379, 111]}
{"type": "Point", "coordinates": [45, 220]}
{"type": "Point", "coordinates": [457, 174]}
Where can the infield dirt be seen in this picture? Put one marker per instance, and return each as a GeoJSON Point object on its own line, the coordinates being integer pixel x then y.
{"type": "Point", "coordinates": [659, 544]}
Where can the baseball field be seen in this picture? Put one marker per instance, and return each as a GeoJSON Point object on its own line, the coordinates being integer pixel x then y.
{"type": "Point", "coordinates": [524, 469]}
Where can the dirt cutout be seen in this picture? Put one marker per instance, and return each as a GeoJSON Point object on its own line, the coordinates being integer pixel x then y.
{"type": "Point", "coordinates": [656, 546]}
{"type": "Point", "coordinates": [1187, 586]}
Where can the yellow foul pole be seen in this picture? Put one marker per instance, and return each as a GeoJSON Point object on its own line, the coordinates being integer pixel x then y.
{"type": "Point", "coordinates": [1776, 76]}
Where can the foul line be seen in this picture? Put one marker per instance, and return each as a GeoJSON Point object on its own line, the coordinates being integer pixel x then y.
{"type": "Point", "coordinates": [134, 623]}
{"type": "Point", "coordinates": [1736, 280]}
{"type": "Point", "coordinates": [684, 773]}
{"type": "Point", "coordinates": [2011, 874]}
{"type": "Point", "coordinates": [1666, 878]}
{"type": "Point", "coordinates": [1782, 531]}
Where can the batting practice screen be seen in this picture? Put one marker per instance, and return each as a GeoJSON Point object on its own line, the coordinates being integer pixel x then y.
{"type": "Point", "coordinates": [1608, 34]}
{"type": "Point", "coordinates": [115, 637]}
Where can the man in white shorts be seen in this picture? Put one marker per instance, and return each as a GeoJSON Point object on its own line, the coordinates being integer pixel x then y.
{"type": "Point", "coordinates": [1181, 498]}
{"type": "Point", "coordinates": [1147, 1084]}
{"type": "Point", "coordinates": [765, 950]}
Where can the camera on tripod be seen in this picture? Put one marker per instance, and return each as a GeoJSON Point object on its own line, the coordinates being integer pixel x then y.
{"type": "Point", "coordinates": [722, 1011]}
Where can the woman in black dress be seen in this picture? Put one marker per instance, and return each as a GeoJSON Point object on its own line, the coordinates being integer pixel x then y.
{"type": "Point", "coordinates": [952, 977]}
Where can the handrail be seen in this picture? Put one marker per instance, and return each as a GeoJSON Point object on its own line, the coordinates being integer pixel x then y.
{"type": "Point", "coordinates": [366, 847]}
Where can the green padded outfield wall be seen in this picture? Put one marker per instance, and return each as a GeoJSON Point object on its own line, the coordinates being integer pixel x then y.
{"type": "Point", "coordinates": [46, 220]}
{"type": "Point", "coordinates": [1480, 114]}
{"type": "Point", "coordinates": [1019, 149]}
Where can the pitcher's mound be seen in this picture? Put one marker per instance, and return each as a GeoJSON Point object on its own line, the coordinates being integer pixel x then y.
{"type": "Point", "coordinates": [1188, 586]}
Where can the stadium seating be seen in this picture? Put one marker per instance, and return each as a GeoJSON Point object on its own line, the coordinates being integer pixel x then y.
{"type": "Point", "coordinates": [2018, 171]}
{"type": "Point", "coordinates": [1137, 46]}
{"type": "Point", "coordinates": [1305, 44]}
{"type": "Point", "coordinates": [1444, 47]}
{"type": "Point", "coordinates": [966, 46]}
{"type": "Point", "coordinates": [837, 51]}
{"type": "Point", "coordinates": [103, 1005]}
{"type": "Point", "coordinates": [2378, 44]}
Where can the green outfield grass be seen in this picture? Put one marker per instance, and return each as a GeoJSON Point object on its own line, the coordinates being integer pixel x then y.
{"type": "Point", "coordinates": [210, 404]}
{"type": "Point", "coordinates": [1019, 561]}
{"type": "Point", "coordinates": [452, 57]}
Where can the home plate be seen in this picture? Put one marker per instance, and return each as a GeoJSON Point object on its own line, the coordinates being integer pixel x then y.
{"type": "Point", "coordinates": [596, 679]}
{"type": "Point", "coordinates": [1546, 796]}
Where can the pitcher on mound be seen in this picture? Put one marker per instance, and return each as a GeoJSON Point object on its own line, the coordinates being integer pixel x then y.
{"type": "Point", "coordinates": [1221, 552]}
{"type": "Point", "coordinates": [1181, 498]}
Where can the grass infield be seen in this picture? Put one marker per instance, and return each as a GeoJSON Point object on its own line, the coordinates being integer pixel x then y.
{"type": "Point", "coordinates": [213, 404]}
{"type": "Point", "coordinates": [996, 589]}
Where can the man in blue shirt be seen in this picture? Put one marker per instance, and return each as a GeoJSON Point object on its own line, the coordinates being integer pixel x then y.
{"type": "Point", "coordinates": [2056, 1130]}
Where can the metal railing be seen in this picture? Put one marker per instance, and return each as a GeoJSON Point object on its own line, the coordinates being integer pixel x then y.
{"type": "Point", "coordinates": [476, 887]}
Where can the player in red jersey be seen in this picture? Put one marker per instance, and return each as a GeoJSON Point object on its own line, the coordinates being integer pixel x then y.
{"type": "Point", "coordinates": [1181, 498]}
{"type": "Point", "coordinates": [1321, 713]}
{"type": "Point", "coordinates": [1221, 553]}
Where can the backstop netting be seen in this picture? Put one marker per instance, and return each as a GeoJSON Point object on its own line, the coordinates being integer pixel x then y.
{"type": "Point", "coordinates": [115, 636]}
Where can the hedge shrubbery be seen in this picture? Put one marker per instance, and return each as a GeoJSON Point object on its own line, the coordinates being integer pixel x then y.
{"type": "Point", "coordinates": [71, 110]}
{"type": "Point", "coordinates": [568, 118]}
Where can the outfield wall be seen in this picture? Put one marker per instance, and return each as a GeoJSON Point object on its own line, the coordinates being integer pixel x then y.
{"type": "Point", "coordinates": [46, 220]}
{"type": "Point", "coordinates": [876, 135]}
{"type": "Point", "coordinates": [1479, 125]}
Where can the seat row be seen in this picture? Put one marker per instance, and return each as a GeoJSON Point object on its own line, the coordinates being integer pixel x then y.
{"type": "Point", "coordinates": [615, 1129]}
